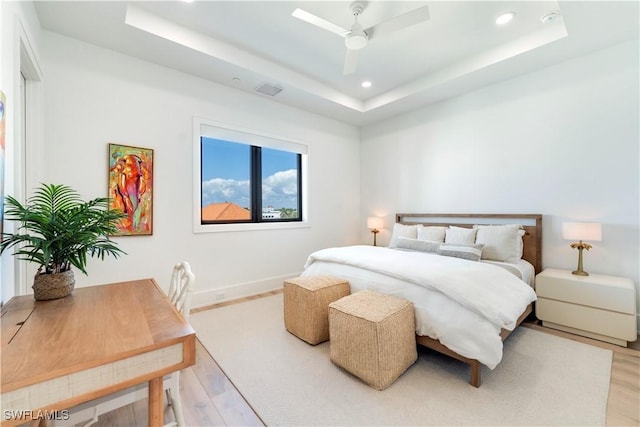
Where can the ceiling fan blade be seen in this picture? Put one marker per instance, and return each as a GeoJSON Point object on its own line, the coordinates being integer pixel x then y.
{"type": "Point", "coordinates": [319, 22]}
{"type": "Point", "coordinates": [399, 22]}
{"type": "Point", "coordinates": [350, 60]}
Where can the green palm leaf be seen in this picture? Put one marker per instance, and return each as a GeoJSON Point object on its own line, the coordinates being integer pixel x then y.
{"type": "Point", "coordinates": [58, 229]}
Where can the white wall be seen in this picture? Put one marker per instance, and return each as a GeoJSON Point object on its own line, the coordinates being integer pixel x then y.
{"type": "Point", "coordinates": [19, 25]}
{"type": "Point", "coordinates": [562, 141]}
{"type": "Point", "coordinates": [95, 96]}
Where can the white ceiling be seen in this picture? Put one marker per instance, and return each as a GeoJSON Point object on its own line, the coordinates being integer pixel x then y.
{"type": "Point", "coordinates": [244, 44]}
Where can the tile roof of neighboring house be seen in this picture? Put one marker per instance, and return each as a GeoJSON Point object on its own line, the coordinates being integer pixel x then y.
{"type": "Point", "coordinates": [224, 211]}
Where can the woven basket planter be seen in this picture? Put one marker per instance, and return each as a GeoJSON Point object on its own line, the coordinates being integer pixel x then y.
{"type": "Point", "coordinates": [53, 285]}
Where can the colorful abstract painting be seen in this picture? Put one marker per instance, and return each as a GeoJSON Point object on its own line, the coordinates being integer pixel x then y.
{"type": "Point", "coordinates": [2, 151]}
{"type": "Point", "coordinates": [131, 188]}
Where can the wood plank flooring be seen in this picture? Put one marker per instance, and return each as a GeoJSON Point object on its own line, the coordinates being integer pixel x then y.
{"type": "Point", "coordinates": [210, 399]}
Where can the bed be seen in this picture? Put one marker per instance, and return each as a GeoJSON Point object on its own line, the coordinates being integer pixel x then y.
{"type": "Point", "coordinates": [468, 295]}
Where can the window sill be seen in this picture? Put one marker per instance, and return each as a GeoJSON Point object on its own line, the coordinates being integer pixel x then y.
{"type": "Point", "coordinates": [223, 228]}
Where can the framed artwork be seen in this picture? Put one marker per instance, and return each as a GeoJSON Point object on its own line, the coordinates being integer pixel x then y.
{"type": "Point", "coordinates": [131, 188]}
{"type": "Point", "coordinates": [2, 151]}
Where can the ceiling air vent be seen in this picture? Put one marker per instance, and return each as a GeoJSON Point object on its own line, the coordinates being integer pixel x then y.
{"type": "Point", "coordinates": [269, 89]}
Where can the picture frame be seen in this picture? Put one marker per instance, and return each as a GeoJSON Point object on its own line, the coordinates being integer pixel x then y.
{"type": "Point", "coordinates": [131, 188]}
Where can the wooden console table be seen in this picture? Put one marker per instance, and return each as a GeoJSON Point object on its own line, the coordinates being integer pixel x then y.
{"type": "Point", "coordinates": [60, 353]}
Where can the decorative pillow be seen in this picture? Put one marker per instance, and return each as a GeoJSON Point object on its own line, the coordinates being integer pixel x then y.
{"type": "Point", "coordinates": [471, 252]}
{"type": "Point", "coordinates": [501, 242]}
{"type": "Point", "coordinates": [432, 233]}
{"type": "Point", "coordinates": [402, 230]}
{"type": "Point", "coordinates": [417, 245]}
{"type": "Point", "coordinates": [460, 235]}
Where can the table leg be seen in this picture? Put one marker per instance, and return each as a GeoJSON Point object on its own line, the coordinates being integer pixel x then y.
{"type": "Point", "coordinates": [156, 402]}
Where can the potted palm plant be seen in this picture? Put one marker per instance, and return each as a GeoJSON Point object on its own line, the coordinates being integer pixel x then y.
{"type": "Point", "coordinates": [59, 230]}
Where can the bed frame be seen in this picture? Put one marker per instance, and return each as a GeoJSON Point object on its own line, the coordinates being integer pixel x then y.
{"type": "Point", "coordinates": [532, 252]}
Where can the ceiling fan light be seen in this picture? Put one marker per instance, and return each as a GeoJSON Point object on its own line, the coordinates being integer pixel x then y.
{"type": "Point", "coordinates": [355, 41]}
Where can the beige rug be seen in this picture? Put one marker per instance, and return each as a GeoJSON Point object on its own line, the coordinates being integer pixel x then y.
{"type": "Point", "coordinates": [543, 380]}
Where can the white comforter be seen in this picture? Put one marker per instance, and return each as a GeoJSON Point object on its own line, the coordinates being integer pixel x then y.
{"type": "Point", "coordinates": [464, 304]}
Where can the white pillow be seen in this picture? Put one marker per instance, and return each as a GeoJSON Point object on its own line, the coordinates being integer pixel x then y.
{"type": "Point", "coordinates": [471, 252]}
{"type": "Point", "coordinates": [501, 242]}
{"type": "Point", "coordinates": [432, 233]}
{"type": "Point", "coordinates": [417, 245]}
{"type": "Point", "coordinates": [460, 235]}
{"type": "Point", "coordinates": [402, 230]}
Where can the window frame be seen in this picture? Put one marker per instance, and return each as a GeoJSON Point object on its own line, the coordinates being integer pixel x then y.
{"type": "Point", "coordinates": [254, 138]}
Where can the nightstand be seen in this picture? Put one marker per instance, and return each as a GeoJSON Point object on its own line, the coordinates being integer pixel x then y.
{"type": "Point", "coordinates": [595, 306]}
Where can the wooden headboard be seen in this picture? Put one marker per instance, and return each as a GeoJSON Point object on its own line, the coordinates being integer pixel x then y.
{"type": "Point", "coordinates": [532, 224]}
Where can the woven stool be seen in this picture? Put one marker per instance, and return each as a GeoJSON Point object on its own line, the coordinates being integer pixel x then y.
{"type": "Point", "coordinates": [306, 305]}
{"type": "Point", "coordinates": [373, 336]}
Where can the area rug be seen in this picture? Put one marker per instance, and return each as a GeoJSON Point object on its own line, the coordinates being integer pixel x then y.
{"type": "Point", "coordinates": [543, 380]}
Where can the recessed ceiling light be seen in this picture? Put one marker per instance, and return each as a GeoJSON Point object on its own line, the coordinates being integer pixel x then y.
{"type": "Point", "coordinates": [505, 17]}
{"type": "Point", "coordinates": [366, 84]}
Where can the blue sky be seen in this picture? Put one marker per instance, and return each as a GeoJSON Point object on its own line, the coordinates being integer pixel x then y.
{"type": "Point", "coordinates": [225, 175]}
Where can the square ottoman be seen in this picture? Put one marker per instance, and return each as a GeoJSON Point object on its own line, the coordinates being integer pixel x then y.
{"type": "Point", "coordinates": [306, 305]}
{"type": "Point", "coordinates": [373, 336]}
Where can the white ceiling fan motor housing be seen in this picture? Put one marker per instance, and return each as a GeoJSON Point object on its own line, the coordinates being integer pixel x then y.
{"type": "Point", "coordinates": [356, 38]}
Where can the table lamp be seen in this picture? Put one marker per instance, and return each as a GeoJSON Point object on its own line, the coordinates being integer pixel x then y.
{"type": "Point", "coordinates": [580, 231]}
{"type": "Point", "coordinates": [374, 223]}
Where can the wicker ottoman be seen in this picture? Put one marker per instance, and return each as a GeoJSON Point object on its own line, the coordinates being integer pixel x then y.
{"type": "Point", "coordinates": [373, 336]}
{"type": "Point", "coordinates": [306, 305]}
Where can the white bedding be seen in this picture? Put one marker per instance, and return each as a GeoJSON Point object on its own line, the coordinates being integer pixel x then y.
{"type": "Point", "coordinates": [464, 304]}
{"type": "Point", "coordinates": [521, 268]}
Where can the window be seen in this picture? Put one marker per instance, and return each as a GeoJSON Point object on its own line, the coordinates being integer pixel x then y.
{"type": "Point", "coordinates": [247, 178]}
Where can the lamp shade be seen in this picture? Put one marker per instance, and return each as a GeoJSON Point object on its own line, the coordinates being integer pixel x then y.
{"type": "Point", "coordinates": [375, 222]}
{"type": "Point", "coordinates": [590, 231]}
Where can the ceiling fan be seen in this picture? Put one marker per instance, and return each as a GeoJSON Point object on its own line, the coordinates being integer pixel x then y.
{"type": "Point", "coordinates": [356, 37]}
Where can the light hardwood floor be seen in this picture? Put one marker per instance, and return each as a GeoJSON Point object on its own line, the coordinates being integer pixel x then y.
{"type": "Point", "coordinates": [210, 399]}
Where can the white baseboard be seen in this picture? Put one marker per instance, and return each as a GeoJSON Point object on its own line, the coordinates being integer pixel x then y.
{"type": "Point", "coordinates": [228, 293]}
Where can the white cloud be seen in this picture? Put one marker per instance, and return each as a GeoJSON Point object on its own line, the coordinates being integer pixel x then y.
{"type": "Point", "coordinates": [281, 189]}
{"type": "Point", "coordinates": [219, 190]}
{"type": "Point", "coordinates": [278, 190]}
